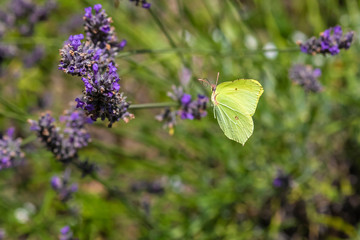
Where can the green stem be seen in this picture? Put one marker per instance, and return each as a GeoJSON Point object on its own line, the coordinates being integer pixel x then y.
{"type": "Point", "coordinates": [193, 51]}
{"type": "Point", "coordinates": [153, 105]}
{"type": "Point", "coordinates": [166, 33]}
{"type": "Point", "coordinates": [162, 27]}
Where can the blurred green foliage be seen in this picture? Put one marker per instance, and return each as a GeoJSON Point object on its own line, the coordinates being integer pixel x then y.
{"type": "Point", "coordinates": [213, 187]}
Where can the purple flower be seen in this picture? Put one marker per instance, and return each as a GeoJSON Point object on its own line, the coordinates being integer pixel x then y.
{"type": "Point", "coordinates": [143, 3]}
{"type": "Point", "coordinates": [66, 143]}
{"type": "Point", "coordinates": [306, 77]}
{"type": "Point", "coordinates": [66, 234]}
{"type": "Point", "coordinates": [188, 108]}
{"type": "Point", "coordinates": [101, 45]}
{"type": "Point", "coordinates": [10, 151]}
{"type": "Point", "coordinates": [75, 40]}
{"type": "Point", "coordinates": [116, 86]}
{"type": "Point", "coordinates": [102, 98]}
{"type": "Point", "coordinates": [185, 99]}
{"type": "Point", "coordinates": [186, 115]}
{"type": "Point", "coordinates": [122, 44]}
{"type": "Point", "coordinates": [94, 61]}
{"type": "Point", "coordinates": [97, 7]}
{"type": "Point", "coordinates": [80, 104]}
{"type": "Point", "coordinates": [317, 72]}
{"type": "Point", "coordinates": [79, 61]}
{"type": "Point", "coordinates": [146, 5]}
{"type": "Point", "coordinates": [61, 186]}
{"type": "Point", "coordinates": [277, 182]}
{"type": "Point", "coordinates": [87, 84]}
{"type": "Point", "coordinates": [99, 32]}
{"type": "Point", "coordinates": [56, 183]}
{"type": "Point", "coordinates": [65, 230]}
{"type": "Point", "coordinates": [282, 181]}
{"type": "Point", "coordinates": [88, 11]}
{"type": "Point", "coordinates": [330, 41]}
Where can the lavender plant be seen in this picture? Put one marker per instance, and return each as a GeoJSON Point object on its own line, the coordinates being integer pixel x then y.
{"type": "Point", "coordinates": [306, 77]}
{"type": "Point", "coordinates": [226, 172]}
{"type": "Point", "coordinates": [63, 144]}
{"type": "Point", "coordinates": [23, 15]}
{"type": "Point", "coordinates": [94, 61]}
{"type": "Point", "coordinates": [188, 108]}
{"type": "Point", "coordinates": [143, 3]}
{"type": "Point", "coordinates": [10, 150]}
{"type": "Point", "coordinates": [66, 234]}
{"type": "Point", "coordinates": [62, 187]}
{"type": "Point", "coordinates": [329, 42]}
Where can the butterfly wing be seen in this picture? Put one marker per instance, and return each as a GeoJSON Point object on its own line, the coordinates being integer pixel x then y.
{"type": "Point", "coordinates": [235, 122]}
{"type": "Point", "coordinates": [234, 104]}
{"type": "Point", "coordinates": [243, 92]}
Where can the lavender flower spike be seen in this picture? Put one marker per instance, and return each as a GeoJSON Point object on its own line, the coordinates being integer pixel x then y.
{"type": "Point", "coordinates": [144, 3]}
{"type": "Point", "coordinates": [102, 98]}
{"type": "Point", "coordinates": [306, 77]}
{"type": "Point", "coordinates": [66, 234]}
{"type": "Point", "coordinates": [62, 186]}
{"type": "Point", "coordinates": [330, 41]}
{"type": "Point", "coordinates": [188, 108]}
{"type": "Point", "coordinates": [63, 144]}
{"type": "Point", "coordinates": [10, 152]}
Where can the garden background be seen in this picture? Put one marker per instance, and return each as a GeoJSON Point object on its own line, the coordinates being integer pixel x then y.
{"type": "Point", "coordinates": [297, 177]}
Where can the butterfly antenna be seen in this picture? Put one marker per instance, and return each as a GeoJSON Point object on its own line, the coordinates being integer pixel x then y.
{"type": "Point", "coordinates": [205, 81]}
{"type": "Point", "coordinates": [217, 79]}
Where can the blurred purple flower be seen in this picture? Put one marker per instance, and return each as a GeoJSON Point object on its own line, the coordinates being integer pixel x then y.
{"type": "Point", "coordinates": [185, 76]}
{"type": "Point", "coordinates": [330, 41]}
{"type": "Point", "coordinates": [56, 183]}
{"type": "Point", "coordinates": [66, 234]}
{"type": "Point", "coordinates": [185, 99]}
{"type": "Point", "coordinates": [143, 3]}
{"type": "Point", "coordinates": [62, 187]}
{"type": "Point", "coordinates": [10, 151]}
{"type": "Point", "coordinates": [306, 76]}
{"type": "Point", "coordinates": [281, 180]}
{"type": "Point", "coordinates": [63, 144]}
{"type": "Point", "coordinates": [188, 108]}
{"type": "Point", "coordinates": [2, 234]}
{"type": "Point", "coordinates": [34, 57]}
{"type": "Point", "coordinates": [25, 14]}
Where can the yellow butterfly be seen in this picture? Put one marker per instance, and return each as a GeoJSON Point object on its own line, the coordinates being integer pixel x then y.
{"type": "Point", "coordinates": [235, 103]}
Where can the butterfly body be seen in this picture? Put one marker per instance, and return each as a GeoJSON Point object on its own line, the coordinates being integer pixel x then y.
{"type": "Point", "coordinates": [235, 103]}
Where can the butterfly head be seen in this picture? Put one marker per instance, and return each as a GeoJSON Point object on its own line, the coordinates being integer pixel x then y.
{"type": "Point", "coordinates": [213, 86]}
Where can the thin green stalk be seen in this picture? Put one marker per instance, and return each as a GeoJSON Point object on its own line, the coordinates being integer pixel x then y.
{"type": "Point", "coordinates": [29, 139]}
{"type": "Point", "coordinates": [153, 105]}
{"type": "Point", "coordinates": [166, 33]}
{"type": "Point", "coordinates": [163, 29]}
{"type": "Point", "coordinates": [240, 53]}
